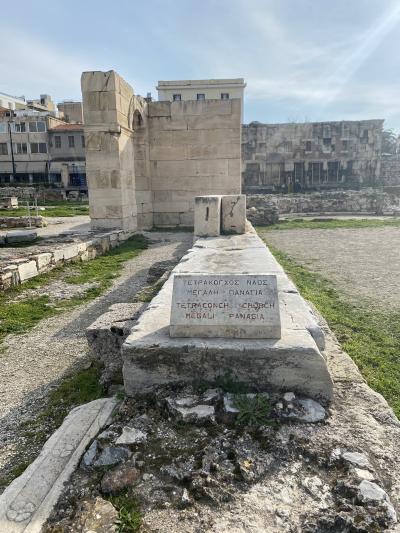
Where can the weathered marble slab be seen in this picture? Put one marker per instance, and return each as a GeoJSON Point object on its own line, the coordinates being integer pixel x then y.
{"type": "Point", "coordinates": [27, 502]}
{"type": "Point", "coordinates": [225, 305]}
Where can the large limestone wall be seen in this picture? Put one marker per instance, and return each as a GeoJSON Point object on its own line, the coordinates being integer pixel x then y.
{"type": "Point", "coordinates": [195, 150]}
{"type": "Point", "coordinates": [146, 162]}
{"type": "Point", "coordinates": [107, 104]}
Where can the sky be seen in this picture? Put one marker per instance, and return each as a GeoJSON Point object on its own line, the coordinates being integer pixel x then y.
{"type": "Point", "coordinates": [302, 60]}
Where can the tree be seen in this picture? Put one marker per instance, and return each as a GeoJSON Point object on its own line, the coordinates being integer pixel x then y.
{"type": "Point", "coordinates": [389, 142]}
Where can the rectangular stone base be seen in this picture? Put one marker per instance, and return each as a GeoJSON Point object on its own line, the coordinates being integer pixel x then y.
{"type": "Point", "coordinates": [292, 363]}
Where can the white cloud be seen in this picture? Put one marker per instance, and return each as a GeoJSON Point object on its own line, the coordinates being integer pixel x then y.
{"type": "Point", "coordinates": [27, 61]}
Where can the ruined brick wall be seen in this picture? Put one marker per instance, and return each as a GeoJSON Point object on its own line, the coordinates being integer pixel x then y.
{"type": "Point", "coordinates": [317, 155]}
{"type": "Point", "coordinates": [262, 208]}
{"type": "Point", "coordinates": [194, 149]}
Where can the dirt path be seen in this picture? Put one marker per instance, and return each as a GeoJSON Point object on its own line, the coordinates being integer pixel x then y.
{"type": "Point", "coordinates": [35, 361]}
{"type": "Point", "coordinates": [364, 262]}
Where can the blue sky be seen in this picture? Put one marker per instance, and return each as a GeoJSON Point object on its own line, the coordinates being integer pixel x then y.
{"type": "Point", "coordinates": [302, 59]}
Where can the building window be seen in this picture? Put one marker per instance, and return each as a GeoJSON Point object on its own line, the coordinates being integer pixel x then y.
{"type": "Point", "coordinates": [83, 141]}
{"type": "Point", "coordinates": [287, 146]}
{"type": "Point", "coordinates": [333, 170]}
{"type": "Point", "coordinates": [201, 96]}
{"type": "Point", "coordinates": [21, 148]}
{"type": "Point", "coordinates": [224, 96]}
{"type": "Point", "coordinates": [3, 127]}
{"type": "Point", "coordinates": [308, 146]}
{"type": "Point", "coordinates": [37, 126]}
{"type": "Point", "coordinates": [176, 97]}
{"type": "Point", "coordinates": [364, 137]}
{"type": "Point", "coordinates": [57, 141]}
{"type": "Point", "coordinates": [327, 141]}
{"type": "Point", "coordinates": [19, 127]}
{"type": "Point", "coordinates": [71, 141]}
{"type": "Point", "coordinates": [345, 145]}
{"type": "Point", "coordinates": [38, 148]}
{"type": "Point", "coordinates": [3, 149]}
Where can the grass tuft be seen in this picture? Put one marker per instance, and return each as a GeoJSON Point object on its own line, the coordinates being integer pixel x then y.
{"type": "Point", "coordinates": [129, 516]}
{"type": "Point", "coordinates": [254, 411]}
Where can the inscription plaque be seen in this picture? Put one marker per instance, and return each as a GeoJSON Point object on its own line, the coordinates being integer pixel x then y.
{"type": "Point", "coordinates": [226, 305]}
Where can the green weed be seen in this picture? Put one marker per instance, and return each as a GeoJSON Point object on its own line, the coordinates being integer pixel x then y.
{"type": "Point", "coordinates": [253, 410]}
{"type": "Point", "coordinates": [129, 517]}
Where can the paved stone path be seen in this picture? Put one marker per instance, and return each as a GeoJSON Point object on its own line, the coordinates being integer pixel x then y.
{"type": "Point", "coordinates": [35, 361]}
{"type": "Point", "coordinates": [362, 262]}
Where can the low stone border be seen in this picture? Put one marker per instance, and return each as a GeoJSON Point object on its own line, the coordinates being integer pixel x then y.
{"type": "Point", "coordinates": [22, 222]}
{"type": "Point", "coordinates": [26, 504]}
{"type": "Point", "coordinates": [21, 270]}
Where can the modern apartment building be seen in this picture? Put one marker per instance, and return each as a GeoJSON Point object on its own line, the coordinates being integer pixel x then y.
{"type": "Point", "coordinates": [224, 89]}
{"type": "Point", "coordinates": [67, 155]}
{"type": "Point", "coordinates": [36, 147]}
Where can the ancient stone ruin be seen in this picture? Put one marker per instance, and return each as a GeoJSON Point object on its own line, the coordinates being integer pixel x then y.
{"type": "Point", "coordinates": [146, 161]}
{"type": "Point", "coordinates": [238, 409]}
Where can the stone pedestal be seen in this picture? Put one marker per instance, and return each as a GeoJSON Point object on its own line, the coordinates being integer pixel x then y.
{"type": "Point", "coordinates": [207, 216]}
{"type": "Point", "coordinates": [292, 363]}
{"type": "Point", "coordinates": [233, 208]}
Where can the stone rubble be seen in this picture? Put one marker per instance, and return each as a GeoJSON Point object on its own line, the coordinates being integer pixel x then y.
{"type": "Point", "coordinates": [112, 455]}
{"type": "Point", "coordinates": [131, 436]}
{"type": "Point", "coordinates": [185, 463]}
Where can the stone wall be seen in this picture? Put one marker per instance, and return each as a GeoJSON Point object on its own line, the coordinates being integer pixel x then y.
{"type": "Point", "coordinates": [194, 150]}
{"type": "Point", "coordinates": [19, 192]}
{"type": "Point", "coordinates": [15, 271]}
{"type": "Point", "coordinates": [21, 222]}
{"type": "Point", "coordinates": [264, 208]}
{"type": "Point", "coordinates": [146, 161]}
{"type": "Point", "coordinates": [390, 170]}
{"type": "Point", "coordinates": [314, 154]}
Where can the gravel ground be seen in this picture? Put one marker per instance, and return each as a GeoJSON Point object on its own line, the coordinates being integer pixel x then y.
{"type": "Point", "coordinates": [363, 263]}
{"type": "Point", "coordinates": [35, 361]}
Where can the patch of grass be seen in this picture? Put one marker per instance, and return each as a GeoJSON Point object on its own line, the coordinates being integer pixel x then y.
{"type": "Point", "coordinates": [331, 224]}
{"type": "Point", "coordinates": [105, 268]}
{"type": "Point", "coordinates": [82, 387]}
{"type": "Point", "coordinates": [129, 516]}
{"type": "Point", "coordinates": [56, 211]}
{"type": "Point", "coordinates": [148, 293]}
{"type": "Point", "coordinates": [254, 410]}
{"type": "Point", "coordinates": [19, 316]}
{"type": "Point", "coordinates": [371, 337]}
{"type": "Point", "coordinates": [79, 388]}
